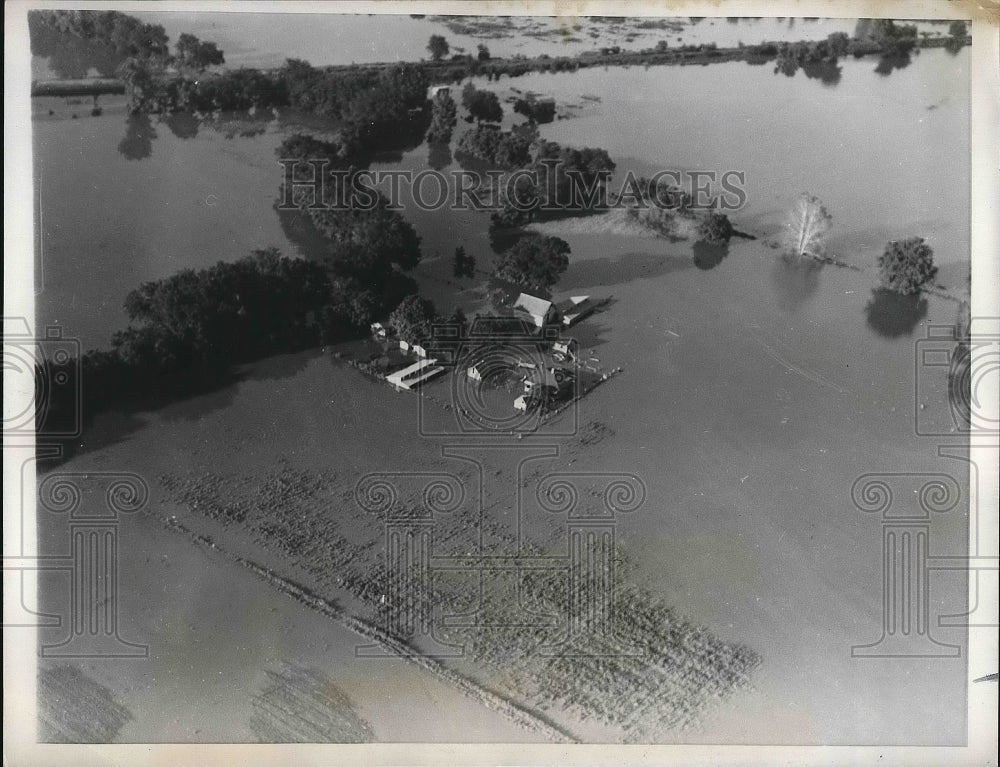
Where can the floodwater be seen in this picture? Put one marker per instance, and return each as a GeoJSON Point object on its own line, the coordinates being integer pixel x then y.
{"type": "Point", "coordinates": [755, 390]}
{"type": "Point", "coordinates": [885, 153]}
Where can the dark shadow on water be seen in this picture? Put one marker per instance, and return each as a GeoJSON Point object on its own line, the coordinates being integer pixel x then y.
{"type": "Point", "coordinates": [183, 125]}
{"type": "Point", "coordinates": [309, 241]}
{"type": "Point", "coordinates": [138, 141]}
{"type": "Point", "coordinates": [588, 334]}
{"type": "Point", "coordinates": [239, 124]}
{"type": "Point", "coordinates": [279, 366]}
{"type": "Point", "coordinates": [890, 63]}
{"type": "Point", "coordinates": [893, 315]}
{"type": "Point", "coordinates": [439, 156]}
{"type": "Point", "coordinates": [708, 255]}
{"type": "Point", "coordinates": [632, 266]}
{"type": "Point", "coordinates": [795, 280]}
{"type": "Point", "coordinates": [188, 402]}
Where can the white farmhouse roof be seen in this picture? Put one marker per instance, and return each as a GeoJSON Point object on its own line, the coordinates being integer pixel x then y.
{"type": "Point", "coordinates": [538, 308]}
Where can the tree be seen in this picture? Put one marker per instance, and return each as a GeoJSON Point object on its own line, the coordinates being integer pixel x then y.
{"type": "Point", "coordinates": [413, 319]}
{"type": "Point", "coordinates": [463, 265]}
{"type": "Point", "coordinates": [483, 106]}
{"type": "Point", "coordinates": [905, 266]}
{"type": "Point", "coordinates": [715, 228]}
{"type": "Point", "coordinates": [194, 54]}
{"type": "Point", "coordinates": [444, 117]}
{"type": "Point", "coordinates": [437, 46]}
{"type": "Point", "coordinates": [958, 29]}
{"type": "Point", "coordinates": [534, 263]}
{"type": "Point", "coordinates": [483, 52]}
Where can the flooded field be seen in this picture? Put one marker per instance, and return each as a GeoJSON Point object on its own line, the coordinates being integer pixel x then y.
{"type": "Point", "coordinates": [753, 393]}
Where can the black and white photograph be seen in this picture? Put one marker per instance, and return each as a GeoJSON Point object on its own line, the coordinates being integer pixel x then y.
{"type": "Point", "coordinates": [501, 375]}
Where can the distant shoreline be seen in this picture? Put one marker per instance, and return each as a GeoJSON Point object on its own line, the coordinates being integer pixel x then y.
{"type": "Point", "coordinates": [450, 71]}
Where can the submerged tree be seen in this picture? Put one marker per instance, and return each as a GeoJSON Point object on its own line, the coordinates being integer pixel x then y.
{"type": "Point", "coordinates": [905, 266]}
{"type": "Point", "coordinates": [715, 228]}
{"type": "Point", "coordinates": [535, 263]}
{"type": "Point", "coordinates": [444, 116]}
{"type": "Point", "coordinates": [437, 46]}
{"type": "Point", "coordinates": [807, 226]}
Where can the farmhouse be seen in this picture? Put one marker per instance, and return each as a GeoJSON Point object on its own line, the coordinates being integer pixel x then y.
{"type": "Point", "coordinates": [539, 311]}
{"type": "Point", "coordinates": [436, 89]}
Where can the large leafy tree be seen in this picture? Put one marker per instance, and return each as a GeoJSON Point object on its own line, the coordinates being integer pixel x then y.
{"type": "Point", "coordinates": [905, 266]}
{"type": "Point", "coordinates": [437, 46]}
{"type": "Point", "coordinates": [483, 106]}
{"type": "Point", "coordinates": [413, 319]}
{"type": "Point", "coordinates": [444, 116]}
{"type": "Point", "coordinates": [535, 263]}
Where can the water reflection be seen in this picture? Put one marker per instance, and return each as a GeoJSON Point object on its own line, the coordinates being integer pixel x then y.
{"type": "Point", "coordinates": [439, 156]}
{"type": "Point", "coordinates": [795, 280]}
{"type": "Point", "coordinates": [889, 64]}
{"type": "Point", "coordinates": [892, 315]}
{"type": "Point", "coordinates": [827, 72]}
{"type": "Point", "coordinates": [240, 124]}
{"type": "Point", "coordinates": [138, 141]}
{"type": "Point", "coordinates": [182, 124]}
{"type": "Point", "coordinates": [708, 255]}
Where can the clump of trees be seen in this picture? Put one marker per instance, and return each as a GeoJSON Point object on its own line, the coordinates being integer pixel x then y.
{"type": "Point", "coordinates": [905, 266]}
{"type": "Point", "coordinates": [892, 39]}
{"type": "Point", "coordinates": [437, 47]}
{"type": "Point", "coordinates": [197, 55]}
{"type": "Point", "coordinates": [534, 263]}
{"type": "Point", "coordinates": [541, 112]}
{"type": "Point", "coordinates": [482, 105]}
{"type": "Point", "coordinates": [444, 117]}
{"type": "Point", "coordinates": [501, 149]}
{"type": "Point", "coordinates": [120, 32]}
{"type": "Point", "coordinates": [368, 243]}
{"type": "Point", "coordinates": [377, 109]}
{"type": "Point", "coordinates": [187, 332]}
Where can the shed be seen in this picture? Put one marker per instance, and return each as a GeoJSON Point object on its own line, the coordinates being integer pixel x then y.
{"type": "Point", "coordinates": [416, 374]}
{"type": "Point", "coordinates": [575, 308]}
